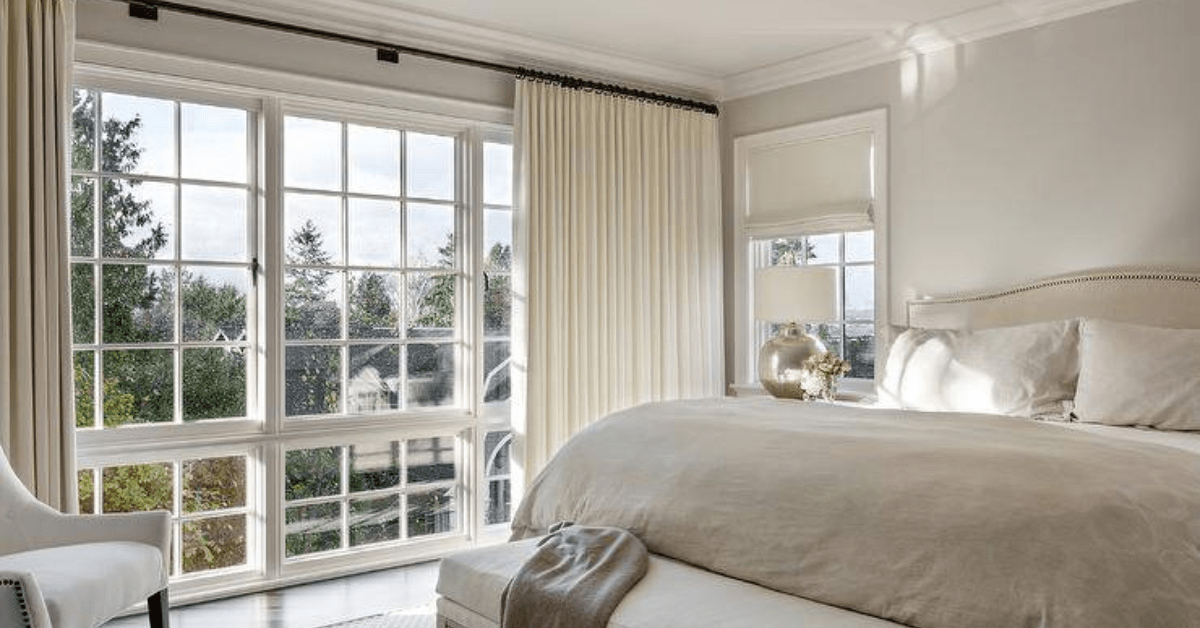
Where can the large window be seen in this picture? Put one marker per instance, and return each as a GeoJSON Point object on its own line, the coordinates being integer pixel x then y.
{"type": "Point", "coordinates": [852, 334]}
{"type": "Point", "coordinates": [372, 259]}
{"type": "Point", "coordinates": [291, 326]}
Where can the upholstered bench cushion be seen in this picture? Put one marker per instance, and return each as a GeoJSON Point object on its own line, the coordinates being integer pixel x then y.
{"type": "Point", "coordinates": [672, 595]}
{"type": "Point", "coordinates": [78, 584]}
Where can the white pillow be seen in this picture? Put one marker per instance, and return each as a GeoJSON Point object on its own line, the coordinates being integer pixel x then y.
{"type": "Point", "coordinates": [1135, 375]}
{"type": "Point", "coordinates": [1028, 370]}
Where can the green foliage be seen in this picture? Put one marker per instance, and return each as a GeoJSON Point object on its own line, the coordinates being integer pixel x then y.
{"type": "Point", "coordinates": [138, 488]}
{"type": "Point", "coordinates": [374, 307]}
{"type": "Point", "coordinates": [435, 303]}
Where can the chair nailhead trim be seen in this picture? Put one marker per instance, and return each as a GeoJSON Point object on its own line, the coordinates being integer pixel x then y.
{"type": "Point", "coordinates": [19, 589]}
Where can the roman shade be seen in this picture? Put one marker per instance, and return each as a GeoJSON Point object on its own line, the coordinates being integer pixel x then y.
{"type": "Point", "coordinates": [814, 185]}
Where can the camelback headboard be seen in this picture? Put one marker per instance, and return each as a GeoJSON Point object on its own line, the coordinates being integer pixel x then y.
{"type": "Point", "coordinates": [1145, 297]}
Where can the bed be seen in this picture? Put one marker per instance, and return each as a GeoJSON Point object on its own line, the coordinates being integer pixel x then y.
{"type": "Point", "coordinates": [775, 513]}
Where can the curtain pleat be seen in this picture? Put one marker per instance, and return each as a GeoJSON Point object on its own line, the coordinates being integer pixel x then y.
{"type": "Point", "coordinates": [618, 260]}
{"type": "Point", "coordinates": [36, 398]}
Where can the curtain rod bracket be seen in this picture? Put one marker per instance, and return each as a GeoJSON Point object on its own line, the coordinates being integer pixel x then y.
{"type": "Point", "coordinates": [143, 11]}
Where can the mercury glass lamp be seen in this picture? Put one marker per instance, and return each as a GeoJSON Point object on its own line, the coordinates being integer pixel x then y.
{"type": "Point", "coordinates": [792, 296]}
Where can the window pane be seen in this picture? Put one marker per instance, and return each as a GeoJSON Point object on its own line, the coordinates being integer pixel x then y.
{"type": "Point", "coordinates": [374, 305]}
{"type": "Point", "coordinates": [374, 466]}
{"type": "Point", "coordinates": [139, 135]}
{"type": "Point", "coordinates": [313, 229]}
{"type": "Point", "coordinates": [214, 143]}
{"type": "Point", "coordinates": [430, 459]}
{"type": "Point", "coordinates": [430, 236]}
{"type": "Point", "coordinates": [497, 305]}
{"type": "Point", "coordinates": [498, 508]}
{"type": "Point", "coordinates": [87, 491]}
{"type": "Point", "coordinates": [432, 513]}
{"type": "Point", "coordinates": [860, 293]}
{"type": "Point", "coordinates": [313, 303]}
{"type": "Point", "coordinates": [214, 543]}
{"type": "Point", "coordinates": [83, 303]}
{"type": "Point", "coordinates": [497, 450]}
{"type": "Point", "coordinates": [313, 380]}
{"type": "Point", "coordinates": [313, 473]}
{"type": "Point", "coordinates": [497, 174]}
{"type": "Point", "coordinates": [497, 240]}
{"type": "Point", "coordinates": [374, 379]}
{"type": "Point", "coordinates": [85, 389]}
{"type": "Point", "coordinates": [214, 224]}
{"type": "Point", "coordinates": [824, 249]}
{"type": "Point", "coordinates": [789, 252]}
{"type": "Point", "coordinates": [496, 385]}
{"type": "Point", "coordinates": [214, 304]}
{"type": "Point", "coordinates": [860, 350]}
{"type": "Point", "coordinates": [430, 375]}
{"type": "Point", "coordinates": [83, 216]}
{"type": "Point", "coordinates": [312, 154]}
{"type": "Point", "coordinates": [139, 219]}
{"type": "Point", "coordinates": [374, 520]}
{"type": "Point", "coordinates": [860, 246]}
{"type": "Point", "coordinates": [430, 305]}
{"type": "Point", "coordinates": [374, 156]}
{"type": "Point", "coordinates": [374, 233]}
{"type": "Point", "coordinates": [214, 383]}
{"type": "Point", "coordinates": [139, 303]}
{"type": "Point", "coordinates": [139, 387]}
{"type": "Point", "coordinates": [214, 484]}
{"type": "Point", "coordinates": [138, 488]}
{"type": "Point", "coordinates": [311, 529]}
{"type": "Point", "coordinates": [830, 335]}
{"type": "Point", "coordinates": [429, 169]}
{"type": "Point", "coordinates": [83, 130]}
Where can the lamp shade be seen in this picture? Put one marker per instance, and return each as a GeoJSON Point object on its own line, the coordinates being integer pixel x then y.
{"type": "Point", "coordinates": [795, 294]}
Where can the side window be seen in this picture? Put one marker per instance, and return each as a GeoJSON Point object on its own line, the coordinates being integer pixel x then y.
{"type": "Point", "coordinates": [852, 335]}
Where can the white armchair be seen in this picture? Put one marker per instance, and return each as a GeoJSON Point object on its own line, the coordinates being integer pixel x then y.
{"type": "Point", "coordinates": [77, 571]}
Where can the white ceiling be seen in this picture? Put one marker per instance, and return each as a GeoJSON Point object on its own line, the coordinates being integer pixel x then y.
{"type": "Point", "coordinates": [714, 48]}
{"type": "Point", "coordinates": [716, 38]}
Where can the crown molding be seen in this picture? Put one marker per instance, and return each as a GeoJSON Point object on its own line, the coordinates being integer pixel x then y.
{"type": "Point", "coordinates": [378, 20]}
{"type": "Point", "coordinates": [921, 39]}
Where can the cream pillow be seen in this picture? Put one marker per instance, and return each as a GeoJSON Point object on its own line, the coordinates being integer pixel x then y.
{"type": "Point", "coordinates": [1135, 375]}
{"type": "Point", "coordinates": [1028, 370]}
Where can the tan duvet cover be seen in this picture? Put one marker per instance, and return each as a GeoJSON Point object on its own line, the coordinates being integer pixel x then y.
{"type": "Point", "coordinates": [930, 520]}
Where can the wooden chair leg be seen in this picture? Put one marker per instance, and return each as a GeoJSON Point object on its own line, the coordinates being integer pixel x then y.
{"type": "Point", "coordinates": [159, 608]}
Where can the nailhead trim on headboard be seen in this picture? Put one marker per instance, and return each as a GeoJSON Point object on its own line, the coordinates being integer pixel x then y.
{"type": "Point", "coordinates": [1062, 281]}
{"type": "Point", "coordinates": [19, 588]}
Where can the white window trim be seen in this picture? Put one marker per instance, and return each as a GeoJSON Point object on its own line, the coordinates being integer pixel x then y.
{"type": "Point", "coordinates": [875, 122]}
{"type": "Point", "coordinates": [271, 95]}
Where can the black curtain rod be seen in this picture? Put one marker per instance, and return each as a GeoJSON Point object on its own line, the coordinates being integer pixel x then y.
{"type": "Point", "coordinates": [387, 51]}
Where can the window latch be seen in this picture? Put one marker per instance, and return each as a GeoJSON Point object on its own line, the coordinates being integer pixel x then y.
{"type": "Point", "coordinates": [255, 267]}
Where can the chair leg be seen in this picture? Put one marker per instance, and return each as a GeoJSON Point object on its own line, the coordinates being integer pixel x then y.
{"type": "Point", "coordinates": [160, 610]}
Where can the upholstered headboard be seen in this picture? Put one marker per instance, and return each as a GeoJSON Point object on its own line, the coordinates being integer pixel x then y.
{"type": "Point", "coordinates": [1146, 297]}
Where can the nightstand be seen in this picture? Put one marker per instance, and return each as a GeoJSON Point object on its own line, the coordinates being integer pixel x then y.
{"type": "Point", "coordinates": [844, 397]}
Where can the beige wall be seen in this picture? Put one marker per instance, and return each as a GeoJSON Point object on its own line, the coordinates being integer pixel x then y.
{"type": "Point", "coordinates": [109, 22]}
{"type": "Point", "coordinates": [1070, 146]}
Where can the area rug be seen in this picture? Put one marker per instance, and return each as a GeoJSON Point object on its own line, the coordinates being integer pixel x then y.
{"type": "Point", "coordinates": [422, 617]}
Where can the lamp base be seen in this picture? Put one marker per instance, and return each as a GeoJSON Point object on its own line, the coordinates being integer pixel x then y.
{"type": "Point", "coordinates": [781, 360]}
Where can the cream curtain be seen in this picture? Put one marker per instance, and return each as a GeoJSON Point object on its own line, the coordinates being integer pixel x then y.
{"type": "Point", "coordinates": [36, 410]}
{"type": "Point", "coordinates": [619, 268]}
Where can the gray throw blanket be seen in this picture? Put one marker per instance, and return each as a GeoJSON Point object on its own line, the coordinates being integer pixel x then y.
{"type": "Point", "coordinates": [575, 579]}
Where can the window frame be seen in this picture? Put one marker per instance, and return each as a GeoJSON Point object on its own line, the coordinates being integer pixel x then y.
{"type": "Point", "coordinates": [744, 262]}
{"type": "Point", "coordinates": [265, 435]}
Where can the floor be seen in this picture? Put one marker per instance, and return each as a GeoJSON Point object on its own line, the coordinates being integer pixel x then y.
{"type": "Point", "coordinates": [308, 605]}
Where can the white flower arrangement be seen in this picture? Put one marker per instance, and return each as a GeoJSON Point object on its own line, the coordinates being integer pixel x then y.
{"type": "Point", "coordinates": [819, 377]}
